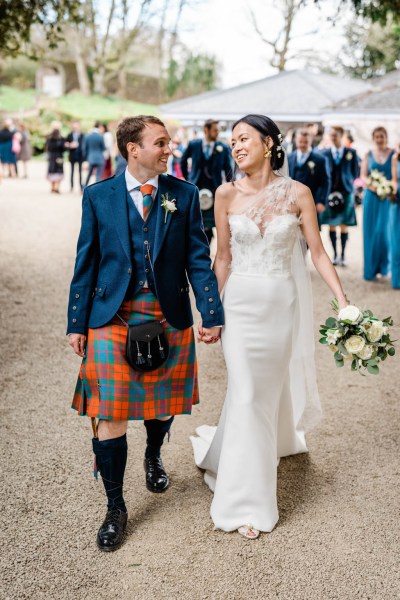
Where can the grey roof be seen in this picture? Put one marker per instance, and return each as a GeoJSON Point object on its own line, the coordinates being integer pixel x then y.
{"type": "Point", "coordinates": [289, 95]}
{"type": "Point", "coordinates": [383, 96]}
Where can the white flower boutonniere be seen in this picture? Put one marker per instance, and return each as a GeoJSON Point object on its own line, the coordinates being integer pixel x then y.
{"type": "Point", "coordinates": [349, 156]}
{"type": "Point", "coordinates": [168, 205]}
{"type": "Point", "coordinates": [219, 148]}
{"type": "Point", "coordinates": [311, 165]}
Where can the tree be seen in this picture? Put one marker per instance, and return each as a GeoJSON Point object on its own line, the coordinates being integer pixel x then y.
{"type": "Point", "coordinates": [193, 74]}
{"type": "Point", "coordinates": [372, 49]}
{"type": "Point", "coordinates": [17, 17]}
{"type": "Point", "coordinates": [376, 10]}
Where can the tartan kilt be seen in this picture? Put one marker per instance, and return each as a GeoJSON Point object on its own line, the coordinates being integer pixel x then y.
{"type": "Point", "coordinates": [108, 388]}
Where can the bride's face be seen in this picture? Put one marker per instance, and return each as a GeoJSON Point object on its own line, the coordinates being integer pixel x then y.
{"type": "Point", "coordinates": [247, 147]}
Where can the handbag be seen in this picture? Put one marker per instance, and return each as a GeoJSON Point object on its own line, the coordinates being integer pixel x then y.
{"type": "Point", "coordinates": [147, 347]}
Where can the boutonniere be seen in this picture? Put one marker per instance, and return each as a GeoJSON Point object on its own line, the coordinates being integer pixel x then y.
{"type": "Point", "coordinates": [168, 205]}
{"type": "Point", "coordinates": [311, 165]}
{"type": "Point", "coordinates": [219, 148]}
{"type": "Point", "coordinates": [349, 156]}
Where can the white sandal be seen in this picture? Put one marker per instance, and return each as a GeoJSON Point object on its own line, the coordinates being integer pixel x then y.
{"type": "Point", "coordinates": [249, 532]}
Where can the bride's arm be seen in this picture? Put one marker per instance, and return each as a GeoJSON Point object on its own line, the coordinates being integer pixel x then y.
{"type": "Point", "coordinates": [309, 225]}
{"type": "Point", "coordinates": [223, 257]}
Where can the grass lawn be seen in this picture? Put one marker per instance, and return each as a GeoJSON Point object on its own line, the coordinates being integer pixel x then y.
{"type": "Point", "coordinates": [87, 109]}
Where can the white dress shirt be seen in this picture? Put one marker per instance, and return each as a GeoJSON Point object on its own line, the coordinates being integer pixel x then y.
{"type": "Point", "coordinates": [136, 195]}
{"type": "Point", "coordinates": [301, 159]}
{"type": "Point", "coordinates": [335, 150]}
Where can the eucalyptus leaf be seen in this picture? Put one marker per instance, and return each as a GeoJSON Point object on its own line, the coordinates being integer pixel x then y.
{"type": "Point", "coordinates": [331, 322]}
{"type": "Point", "coordinates": [391, 351]}
{"type": "Point", "coordinates": [374, 370]}
{"type": "Point", "coordinates": [323, 340]}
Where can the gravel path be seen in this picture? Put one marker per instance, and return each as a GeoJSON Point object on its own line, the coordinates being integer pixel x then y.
{"type": "Point", "coordinates": [338, 533]}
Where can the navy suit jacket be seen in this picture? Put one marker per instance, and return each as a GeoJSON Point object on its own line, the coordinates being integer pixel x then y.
{"type": "Point", "coordinates": [93, 148]}
{"type": "Point", "coordinates": [76, 154]}
{"type": "Point", "coordinates": [349, 167]}
{"type": "Point", "coordinates": [104, 262]}
{"type": "Point", "coordinates": [317, 177]}
{"type": "Point", "coordinates": [221, 162]}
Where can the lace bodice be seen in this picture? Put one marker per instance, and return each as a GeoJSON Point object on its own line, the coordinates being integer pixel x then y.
{"type": "Point", "coordinates": [263, 234]}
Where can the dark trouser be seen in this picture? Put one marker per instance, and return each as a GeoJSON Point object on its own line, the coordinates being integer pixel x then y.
{"type": "Point", "coordinates": [73, 163]}
{"type": "Point", "coordinates": [99, 172]}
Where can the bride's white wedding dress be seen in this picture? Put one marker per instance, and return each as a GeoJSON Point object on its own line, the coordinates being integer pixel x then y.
{"type": "Point", "coordinates": [272, 398]}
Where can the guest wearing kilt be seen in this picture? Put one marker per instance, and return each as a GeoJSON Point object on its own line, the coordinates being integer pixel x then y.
{"type": "Point", "coordinates": [343, 165]}
{"type": "Point", "coordinates": [141, 244]}
{"type": "Point", "coordinates": [376, 212]}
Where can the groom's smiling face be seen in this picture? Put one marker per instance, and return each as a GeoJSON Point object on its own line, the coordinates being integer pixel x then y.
{"type": "Point", "coordinates": [153, 151]}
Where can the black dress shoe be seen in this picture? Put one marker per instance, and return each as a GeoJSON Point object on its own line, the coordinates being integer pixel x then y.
{"type": "Point", "coordinates": [111, 533]}
{"type": "Point", "coordinates": [156, 478]}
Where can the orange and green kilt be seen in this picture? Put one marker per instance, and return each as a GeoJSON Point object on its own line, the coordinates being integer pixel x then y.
{"type": "Point", "coordinates": [108, 387]}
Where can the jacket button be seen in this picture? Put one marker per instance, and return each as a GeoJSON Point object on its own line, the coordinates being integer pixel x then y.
{"type": "Point", "coordinates": [211, 299]}
{"type": "Point", "coordinates": [181, 289]}
{"type": "Point", "coordinates": [74, 308]}
{"type": "Point", "coordinates": [211, 312]}
{"type": "Point", "coordinates": [77, 296]}
{"type": "Point", "coordinates": [206, 289]}
{"type": "Point", "coordinates": [141, 282]}
{"type": "Point", "coordinates": [99, 289]}
{"type": "Point", "coordinates": [95, 289]}
{"type": "Point", "coordinates": [147, 270]}
{"type": "Point", "coordinates": [129, 270]}
{"type": "Point", "coordinates": [74, 320]}
{"type": "Point", "coordinates": [145, 229]}
{"type": "Point", "coordinates": [146, 242]}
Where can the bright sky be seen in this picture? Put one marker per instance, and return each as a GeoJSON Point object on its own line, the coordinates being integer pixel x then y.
{"type": "Point", "coordinates": [223, 28]}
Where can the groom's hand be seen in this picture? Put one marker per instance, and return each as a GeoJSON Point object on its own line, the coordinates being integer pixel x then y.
{"type": "Point", "coordinates": [208, 335]}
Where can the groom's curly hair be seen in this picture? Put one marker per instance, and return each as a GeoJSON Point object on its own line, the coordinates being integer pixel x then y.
{"type": "Point", "coordinates": [267, 128]}
{"type": "Point", "coordinates": [131, 130]}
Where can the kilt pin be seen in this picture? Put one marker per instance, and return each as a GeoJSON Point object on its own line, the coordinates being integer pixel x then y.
{"type": "Point", "coordinates": [136, 262]}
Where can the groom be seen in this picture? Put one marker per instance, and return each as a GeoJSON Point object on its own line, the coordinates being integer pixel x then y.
{"type": "Point", "coordinates": [135, 256]}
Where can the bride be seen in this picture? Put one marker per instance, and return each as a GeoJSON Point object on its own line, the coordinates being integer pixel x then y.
{"type": "Point", "coordinates": [263, 221]}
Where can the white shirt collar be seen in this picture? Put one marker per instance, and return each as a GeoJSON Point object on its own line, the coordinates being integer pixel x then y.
{"type": "Point", "coordinates": [340, 150]}
{"type": "Point", "coordinates": [132, 182]}
{"type": "Point", "coordinates": [306, 154]}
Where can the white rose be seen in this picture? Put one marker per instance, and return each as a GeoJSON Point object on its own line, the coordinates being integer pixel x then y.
{"type": "Point", "coordinates": [219, 148]}
{"type": "Point", "coordinates": [170, 205]}
{"type": "Point", "coordinates": [349, 156]}
{"type": "Point", "coordinates": [354, 344]}
{"type": "Point", "coordinates": [376, 331]}
{"type": "Point", "coordinates": [311, 164]}
{"type": "Point", "coordinates": [366, 352]}
{"type": "Point", "coordinates": [350, 313]}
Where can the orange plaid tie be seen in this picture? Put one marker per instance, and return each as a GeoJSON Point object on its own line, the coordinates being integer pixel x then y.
{"type": "Point", "coordinates": [147, 191]}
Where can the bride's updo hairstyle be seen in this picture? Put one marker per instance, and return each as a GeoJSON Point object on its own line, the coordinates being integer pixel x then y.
{"type": "Point", "coordinates": [266, 127]}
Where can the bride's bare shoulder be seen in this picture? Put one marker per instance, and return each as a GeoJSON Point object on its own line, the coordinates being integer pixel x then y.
{"type": "Point", "coordinates": [225, 193]}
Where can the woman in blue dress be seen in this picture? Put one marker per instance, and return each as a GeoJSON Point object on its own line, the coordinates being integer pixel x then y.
{"type": "Point", "coordinates": [395, 226]}
{"type": "Point", "coordinates": [376, 212]}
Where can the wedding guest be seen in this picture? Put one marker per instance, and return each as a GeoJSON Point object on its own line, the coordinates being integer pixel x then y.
{"type": "Point", "coordinates": [395, 224]}
{"type": "Point", "coordinates": [55, 146]}
{"type": "Point", "coordinates": [109, 151]}
{"type": "Point", "coordinates": [74, 143]}
{"type": "Point", "coordinates": [340, 212]}
{"type": "Point", "coordinates": [93, 150]}
{"type": "Point", "coordinates": [7, 155]}
{"type": "Point", "coordinates": [177, 152]}
{"type": "Point", "coordinates": [25, 153]}
{"type": "Point", "coordinates": [376, 211]}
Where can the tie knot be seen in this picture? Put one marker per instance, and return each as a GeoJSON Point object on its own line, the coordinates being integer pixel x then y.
{"type": "Point", "coordinates": [147, 189]}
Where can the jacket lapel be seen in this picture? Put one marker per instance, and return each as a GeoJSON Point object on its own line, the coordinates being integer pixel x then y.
{"type": "Point", "coordinates": [162, 225]}
{"type": "Point", "coordinates": [120, 211]}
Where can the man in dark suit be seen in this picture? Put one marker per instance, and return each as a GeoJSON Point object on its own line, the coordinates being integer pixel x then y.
{"type": "Point", "coordinates": [344, 169]}
{"type": "Point", "coordinates": [211, 159]}
{"type": "Point", "coordinates": [141, 243]}
{"type": "Point", "coordinates": [311, 168]}
{"type": "Point", "coordinates": [74, 143]}
{"type": "Point", "coordinates": [94, 151]}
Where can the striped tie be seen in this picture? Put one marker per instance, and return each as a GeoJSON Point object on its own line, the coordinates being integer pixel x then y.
{"type": "Point", "coordinates": [147, 191]}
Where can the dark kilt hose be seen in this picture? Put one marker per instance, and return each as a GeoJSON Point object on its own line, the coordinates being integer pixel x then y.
{"type": "Point", "coordinates": [109, 388]}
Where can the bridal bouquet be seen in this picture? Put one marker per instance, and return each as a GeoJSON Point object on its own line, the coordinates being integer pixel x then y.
{"type": "Point", "coordinates": [383, 188]}
{"type": "Point", "coordinates": [357, 336]}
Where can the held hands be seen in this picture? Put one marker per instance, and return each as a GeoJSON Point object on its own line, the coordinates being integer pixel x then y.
{"type": "Point", "coordinates": [208, 335]}
{"type": "Point", "coordinates": [78, 343]}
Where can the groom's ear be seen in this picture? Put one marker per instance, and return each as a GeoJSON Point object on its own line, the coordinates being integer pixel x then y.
{"type": "Point", "coordinates": [132, 149]}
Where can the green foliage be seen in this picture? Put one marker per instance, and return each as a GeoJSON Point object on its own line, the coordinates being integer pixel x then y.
{"type": "Point", "coordinates": [197, 74]}
{"type": "Point", "coordinates": [377, 11]}
{"type": "Point", "coordinates": [14, 100]}
{"type": "Point", "coordinates": [19, 73]}
{"type": "Point", "coordinates": [17, 17]}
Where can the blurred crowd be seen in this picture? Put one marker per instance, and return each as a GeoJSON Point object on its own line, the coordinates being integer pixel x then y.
{"type": "Point", "coordinates": [326, 160]}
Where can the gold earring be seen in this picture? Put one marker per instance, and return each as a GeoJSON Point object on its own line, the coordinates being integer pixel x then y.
{"type": "Point", "coordinates": [267, 153]}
